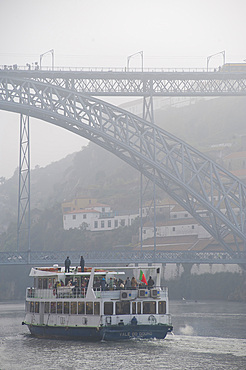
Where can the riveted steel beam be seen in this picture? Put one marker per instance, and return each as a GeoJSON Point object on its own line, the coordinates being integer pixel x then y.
{"type": "Point", "coordinates": [23, 226]}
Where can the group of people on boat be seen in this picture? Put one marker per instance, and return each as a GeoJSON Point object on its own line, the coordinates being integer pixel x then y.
{"type": "Point", "coordinates": [77, 287]}
{"type": "Point", "coordinates": [100, 282]}
{"type": "Point", "coordinates": [119, 284]}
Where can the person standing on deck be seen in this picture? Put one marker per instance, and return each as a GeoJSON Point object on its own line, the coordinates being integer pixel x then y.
{"type": "Point", "coordinates": [134, 283]}
{"type": "Point", "coordinates": [82, 264]}
{"type": "Point", "coordinates": [103, 284]}
{"type": "Point", "coordinates": [150, 283]}
{"type": "Point", "coordinates": [67, 264]}
{"type": "Point", "coordinates": [128, 284]}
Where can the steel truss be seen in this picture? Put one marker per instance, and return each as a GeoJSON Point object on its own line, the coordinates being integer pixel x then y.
{"type": "Point", "coordinates": [24, 184]}
{"type": "Point", "coordinates": [141, 83]}
{"type": "Point", "coordinates": [212, 195]}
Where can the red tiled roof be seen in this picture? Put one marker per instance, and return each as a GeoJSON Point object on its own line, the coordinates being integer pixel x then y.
{"type": "Point", "coordinates": [82, 211]}
{"type": "Point", "coordinates": [97, 205]}
{"type": "Point", "coordinates": [236, 155]}
{"type": "Point", "coordinates": [173, 222]}
{"type": "Point", "coordinates": [239, 173]}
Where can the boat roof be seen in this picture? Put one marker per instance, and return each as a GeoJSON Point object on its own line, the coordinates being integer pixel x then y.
{"type": "Point", "coordinates": [57, 270]}
{"type": "Point", "coordinates": [54, 271]}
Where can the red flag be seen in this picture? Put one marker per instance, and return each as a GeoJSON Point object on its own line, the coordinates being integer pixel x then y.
{"type": "Point", "coordinates": [142, 277]}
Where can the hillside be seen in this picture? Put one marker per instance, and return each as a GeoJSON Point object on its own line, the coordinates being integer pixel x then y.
{"type": "Point", "coordinates": [209, 121]}
{"type": "Point", "coordinates": [94, 172]}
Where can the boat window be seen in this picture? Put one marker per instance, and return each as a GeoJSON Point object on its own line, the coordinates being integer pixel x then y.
{"type": "Point", "coordinates": [74, 308]}
{"type": "Point", "coordinates": [89, 308]}
{"type": "Point", "coordinates": [45, 283]}
{"type": "Point", "coordinates": [108, 308]}
{"type": "Point", "coordinates": [149, 307]}
{"type": "Point", "coordinates": [96, 308]}
{"type": "Point", "coordinates": [59, 307]}
{"type": "Point", "coordinates": [36, 307]}
{"type": "Point", "coordinates": [53, 307]}
{"type": "Point", "coordinates": [66, 307]}
{"type": "Point", "coordinates": [136, 308]}
{"type": "Point", "coordinates": [139, 307]}
{"type": "Point", "coordinates": [46, 307]}
{"type": "Point", "coordinates": [31, 306]}
{"type": "Point", "coordinates": [28, 307]}
{"type": "Point", "coordinates": [81, 308]}
{"type": "Point", "coordinates": [162, 307]}
{"type": "Point", "coordinates": [122, 308]}
{"type": "Point", "coordinates": [40, 283]}
{"type": "Point", "coordinates": [50, 283]}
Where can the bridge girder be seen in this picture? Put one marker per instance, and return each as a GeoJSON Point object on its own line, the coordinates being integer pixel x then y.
{"type": "Point", "coordinates": [112, 83]}
{"type": "Point", "coordinates": [193, 180]}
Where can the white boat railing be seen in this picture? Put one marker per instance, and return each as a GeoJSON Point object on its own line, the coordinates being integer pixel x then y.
{"type": "Point", "coordinates": [80, 293]}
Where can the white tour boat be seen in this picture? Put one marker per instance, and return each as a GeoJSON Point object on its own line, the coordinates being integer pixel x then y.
{"type": "Point", "coordinates": [96, 305]}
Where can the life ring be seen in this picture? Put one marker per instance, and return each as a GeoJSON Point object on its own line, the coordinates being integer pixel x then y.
{"type": "Point", "coordinates": [54, 291]}
{"type": "Point", "coordinates": [152, 319]}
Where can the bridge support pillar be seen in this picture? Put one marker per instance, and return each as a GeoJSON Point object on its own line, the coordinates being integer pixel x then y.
{"type": "Point", "coordinates": [148, 115]}
{"type": "Point", "coordinates": [187, 268]}
{"type": "Point", "coordinates": [186, 276]}
{"type": "Point", "coordinates": [23, 225]}
{"type": "Point", "coordinates": [178, 269]}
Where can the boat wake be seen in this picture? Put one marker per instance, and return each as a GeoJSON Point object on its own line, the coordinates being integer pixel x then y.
{"type": "Point", "coordinates": [186, 330]}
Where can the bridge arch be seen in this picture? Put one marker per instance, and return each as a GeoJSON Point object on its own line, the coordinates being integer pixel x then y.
{"type": "Point", "coordinates": [192, 179]}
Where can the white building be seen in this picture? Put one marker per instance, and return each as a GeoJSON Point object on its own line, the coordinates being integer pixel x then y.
{"type": "Point", "coordinates": [178, 223]}
{"type": "Point", "coordinates": [96, 217]}
{"type": "Point", "coordinates": [176, 227]}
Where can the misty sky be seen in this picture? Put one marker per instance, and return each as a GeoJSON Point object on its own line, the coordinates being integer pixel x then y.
{"type": "Point", "coordinates": [102, 33]}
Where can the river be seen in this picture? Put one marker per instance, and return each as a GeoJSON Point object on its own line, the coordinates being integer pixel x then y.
{"type": "Point", "coordinates": [207, 335]}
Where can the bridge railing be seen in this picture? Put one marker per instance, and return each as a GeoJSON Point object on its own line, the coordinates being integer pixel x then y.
{"type": "Point", "coordinates": [104, 69]}
{"type": "Point", "coordinates": [121, 257]}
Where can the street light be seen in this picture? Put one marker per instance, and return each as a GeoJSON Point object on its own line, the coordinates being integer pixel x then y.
{"type": "Point", "coordinates": [53, 57]}
{"type": "Point", "coordinates": [128, 59]}
{"type": "Point", "coordinates": [209, 57]}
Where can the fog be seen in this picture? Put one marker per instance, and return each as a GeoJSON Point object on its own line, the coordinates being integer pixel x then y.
{"type": "Point", "coordinates": [102, 33]}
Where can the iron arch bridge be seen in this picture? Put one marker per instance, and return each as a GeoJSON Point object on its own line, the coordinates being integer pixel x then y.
{"type": "Point", "coordinates": [199, 185]}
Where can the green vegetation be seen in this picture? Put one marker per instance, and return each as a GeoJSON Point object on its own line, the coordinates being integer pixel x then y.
{"type": "Point", "coordinates": [218, 286]}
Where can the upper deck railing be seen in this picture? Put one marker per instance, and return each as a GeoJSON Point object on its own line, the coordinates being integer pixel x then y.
{"type": "Point", "coordinates": [104, 69]}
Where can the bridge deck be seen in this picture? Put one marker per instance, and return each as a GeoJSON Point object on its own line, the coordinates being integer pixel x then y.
{"type": "Point", "coordinates": [137, 83]}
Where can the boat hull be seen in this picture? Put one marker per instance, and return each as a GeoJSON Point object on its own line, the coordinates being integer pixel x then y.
{"type": "Point", "coordinates": [108, 333]}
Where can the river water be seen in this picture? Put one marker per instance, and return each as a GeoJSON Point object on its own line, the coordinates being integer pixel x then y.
{"type": "Point", "coordinates": [207, 335]}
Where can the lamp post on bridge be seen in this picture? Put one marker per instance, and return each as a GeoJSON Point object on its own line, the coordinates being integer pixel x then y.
{"type": "Point", "coordinates": [133, 55]}
{"type": "Point", "coordinates": [52, 55]}
{"type": "Point", "coordinates": [213, 55]}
